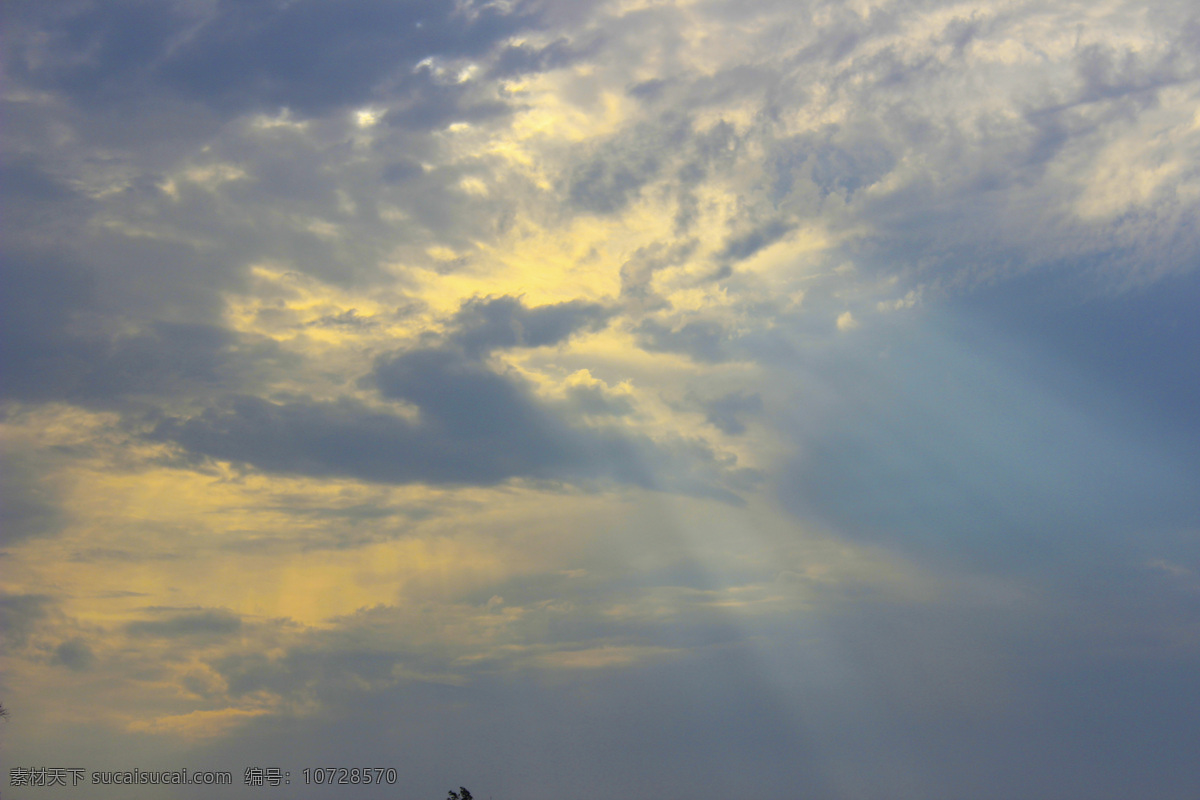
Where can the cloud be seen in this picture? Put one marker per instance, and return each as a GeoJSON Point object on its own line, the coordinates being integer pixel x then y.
{"type": "Point", "coordinates": [637, 274]}
{"type": "Point", "coordinates": [474, 426]}
{"type": "Point", "coordinates": [74, 654]}
{"type": "Point", "coordinates": [588, 393]}
{"type": "Point", "coordinates": [592, 399]}
{"type": "Point", "coordinates": [24, 177]}
{"type": "Point", "coordinates": [483, 325]}
{"type": "Point", "coordinates": [609, 181]}
{"type": "Point", "coordinates": [525, 58]}
{"type": "Point", "coordinates": [702, 340]}
{"type": "Point", "coordinates": [172, 624]}
{"type": "Point", "coordinates": [38, 346]}
{"type": "Point", "coordinates": [748, 244]}
{"type": "Point", "coordinates": [726, 412]}
{"type": "Point", "coordinates": [253, 56]}
{"type": "Point", "coordinates": [30, 505]}
{"type": "Point", "coordinates": [53, 359]}
{"type": "Point", "coordinates": [21, 613]}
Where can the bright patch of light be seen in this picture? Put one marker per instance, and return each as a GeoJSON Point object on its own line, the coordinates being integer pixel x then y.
{"type": "Point", "coordinates": [367, 117]}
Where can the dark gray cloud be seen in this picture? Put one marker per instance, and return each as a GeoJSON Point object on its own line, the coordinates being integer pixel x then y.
{"type": "Point", "coordinates": [29, 503]}
{"type": "Point", "coordinates": [261, 55]}
{"type": "Point", "coordinates": [357, 512]}
{"type": "Point", "coordinates": [40, 346]}
{"type": "Point", "coordinates": [74, 327]}
{"type": "Point", "coordinates": [747, 244]}
{"type": "Point", "coordinates": [170, 624]}
{"type": "Point", "coordinates": [606, 185]}
{"type": "Point", "coordinates": [26, 180]}
{"type": "Point", "coordinates": [846, 164]}
{"type": "Point", "coordinates": [525, 58]}
{"type": "Point", "coordinates": [637, 274]}
{"type": "Point", "coordinates": [610, 174]}
{"type": "Point", "coordinates": [74, 654]}
{"type": "Point", "coordinates": [426, 102]}
{"type": "Point", "coordinates": [304, 668]}
{"type": "Point", "coordinates": [674, 146]}
{"type": "Point", "coordinates": [475, 426]}
{"type": "Point", "coordinates": [110, 554]}
{"type": "Point", "coordinates": [595, 401]}
{"type": "Point", "coordinates": [89, 316]}
{"type": "Point", "coordinates": [401, 170]}
{"type": "Point", "coordinates": [727, 412]}
{"type": "Point", "coordinates": [20, 615]}
{"type": "Point", "coordinates": [52, 359]}
{"type": "Point", "coordinates": [483, 325]}
{"type": "Point", "coordinates": [159, 359]}
{"type": "Point", "coordinates": [703, 340]}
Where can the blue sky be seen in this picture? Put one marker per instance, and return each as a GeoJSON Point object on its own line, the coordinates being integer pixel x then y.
{"type": "Point", "coordinates": [603, 398]}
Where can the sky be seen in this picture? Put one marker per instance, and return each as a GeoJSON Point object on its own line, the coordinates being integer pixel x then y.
{"type": "Point", "coordinates": [603, 398]}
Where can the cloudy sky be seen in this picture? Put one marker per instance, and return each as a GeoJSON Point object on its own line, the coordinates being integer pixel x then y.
{"type": "Point", "coordinates": [603, 398]}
